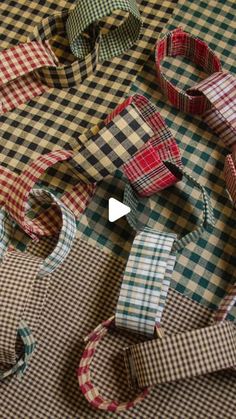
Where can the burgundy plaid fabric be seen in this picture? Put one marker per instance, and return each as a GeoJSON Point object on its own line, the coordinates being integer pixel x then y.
{"type": "Point", "coordinates": [18, 83]}
{"type": "Point", "coordinates": [214, 98]}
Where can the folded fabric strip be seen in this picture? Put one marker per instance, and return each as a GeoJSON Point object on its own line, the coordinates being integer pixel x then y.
{"type": "Point", "coordinates": [22, 301]}
{"type": "Point", "coordinates": [177, 357]}
{"type": "Point", "coordinates": [214, 98]}
{"type": "Point", "coordinates": [190, 354]}
{"type": "Point", "coordinates": [17, 78]}
{"type": "Point", "coordinates": [28, 70]}
{"type": "Point", "coordinates": [115, 41]}
{"type": "Point", "coordinates": [134, 133]}
{"type": "Point", "coordinates": [144, 288]}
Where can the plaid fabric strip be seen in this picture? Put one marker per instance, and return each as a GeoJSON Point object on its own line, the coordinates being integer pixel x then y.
{"type": "Point", "coordinates": [145, 284]}
{"type": "Point", "coordinates": [230, 175]}
{"type": "Point", "coordinates": [17, 80]}
{"type": "Point", "coordinates": [180, 43]}
{"type": "Point", "coordinates": [74, 71]}
{"type": "Point", "coordinates": [28, 341]}
{"type": "Point", "coordinates": [112, 146]}
{"type": "Point", "coordinates": [91, 391]}
{"type": "Point", "coordinates": [115, 41]}
{"type": "Point", "coordinates": [181, 356]}
{"type": "Point", "coordinates": [220, 90]}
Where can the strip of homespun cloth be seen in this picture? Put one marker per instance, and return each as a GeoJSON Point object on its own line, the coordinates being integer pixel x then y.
{"type": "Point", "coordinates": [214, 97]}
{"type": "Point", "coordinates": [134, 138]}
{"type": "Point", "coordinates": [186, 355]}
{"type": "Point", "coordinates": [29, 69]}
{"type": "Point", "coordinates": [22, 300]}
{"type": "Point", "coordinates": [144, 289]}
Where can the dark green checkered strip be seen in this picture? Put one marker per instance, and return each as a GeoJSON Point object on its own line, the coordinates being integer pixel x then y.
{"type": "Point", "coordinates": [114, 42]}
{"type": "Point", "coordinates": [207, 268]}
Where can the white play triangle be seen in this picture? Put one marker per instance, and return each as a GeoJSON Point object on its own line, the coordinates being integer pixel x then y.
{"type": "Point", "coordinates": [116, 210]}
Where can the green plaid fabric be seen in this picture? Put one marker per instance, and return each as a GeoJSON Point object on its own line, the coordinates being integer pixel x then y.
{"type": "Point", "coordinates": [115, 41]}
{"type": "Point", "coordinates": [145, 283]}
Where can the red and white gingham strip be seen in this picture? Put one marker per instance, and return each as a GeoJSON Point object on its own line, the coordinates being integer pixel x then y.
{"type": "Point", "coordinates": [90, 391]}
{"type": "Point", "coordinates": [17, 81]}
{"type": "Point", "coordinates": [146, 170]}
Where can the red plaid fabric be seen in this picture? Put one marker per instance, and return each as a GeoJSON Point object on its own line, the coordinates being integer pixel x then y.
{"type": "Point", "coordinates": [146, 170]}
{"type": "Point", "coordinates": [214, 97]}
{"type": "Point", "coordinates": [230, 175]}
{"type": "Point", "coordinates": [89, 390]}
{"type": "Point", "coordinates": [17, 81]}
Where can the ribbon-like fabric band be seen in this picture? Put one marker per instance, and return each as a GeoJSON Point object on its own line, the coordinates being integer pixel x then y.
{"type": "Point", "coordinates": [214, 98]}
{"type": "Point", "coordinates": [22, 301]}
{"type": "Point", "coordinates": [18, 64]}
{"type": "Point", "coordinates": [150, 265]}
{"type": "Point", "coordinates": [28, 70]}
{"type": "Point", "coordinates": [181, 356]}
{"type": "Point", "coordinates": [115, 41]}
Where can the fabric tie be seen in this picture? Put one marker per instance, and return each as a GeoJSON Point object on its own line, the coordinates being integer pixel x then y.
{"type": "Point", "coordinates": [30, 69]}
{"type": "Point", "coordinates": [214, 98]}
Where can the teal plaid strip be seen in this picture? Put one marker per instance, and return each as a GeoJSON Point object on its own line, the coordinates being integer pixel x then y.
{"type": "Point", "coordinates": [29, 346]}
{"type": "Point", "coordinates": [6, 231]}
{"type": "Point", "coordinates": [116, 41]}
{"type": "Point", "coordinates": [145, 284]}
{"type": "Point", "coordinates": [66, 236]}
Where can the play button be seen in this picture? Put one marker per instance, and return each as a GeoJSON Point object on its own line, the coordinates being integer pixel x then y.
{"type": "Point", "coordinates": [116, 210]}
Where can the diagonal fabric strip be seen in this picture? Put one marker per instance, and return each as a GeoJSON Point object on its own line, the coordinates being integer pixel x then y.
{"type": "Point", "coordinates": [115, 41]}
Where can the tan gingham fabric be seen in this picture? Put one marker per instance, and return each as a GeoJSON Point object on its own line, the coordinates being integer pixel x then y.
{"type": "Point", "coordinates": [49, 388]}
{"type": "Point", "coordinates": [180, 356]}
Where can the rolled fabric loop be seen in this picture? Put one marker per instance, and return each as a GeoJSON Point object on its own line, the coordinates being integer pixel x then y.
{"type": "Point", "coordinates": [180, 43]}
{"type": "Point", "coordinates": [116, 41]}
{"type": "Point", "coordinates": [68, 75]}
{"type": "Point", "coordinates": [89, 390]}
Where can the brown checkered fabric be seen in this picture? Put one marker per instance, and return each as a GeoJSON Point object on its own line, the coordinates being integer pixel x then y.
{"type": "Point", "coordinates": [17, 276]}
{"type": "Point", "coordinates": [49, 389]}
{"type": "Point", "coordinates": [177, 357]}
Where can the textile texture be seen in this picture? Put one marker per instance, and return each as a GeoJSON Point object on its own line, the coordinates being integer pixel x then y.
{"type": "Point", "coordinates": [85, 290]}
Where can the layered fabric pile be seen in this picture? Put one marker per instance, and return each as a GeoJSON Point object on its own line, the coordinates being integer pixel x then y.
{"type": "Point", "coordinates": [134, 318]}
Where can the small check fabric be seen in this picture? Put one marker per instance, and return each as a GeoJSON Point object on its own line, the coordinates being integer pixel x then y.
{"type": "Point", "coordinates": [182, 356]}
{"type": "Point", "coordinates": [145, 283]}
{"type": "Point", "coordinates": [113, 43]}
{"type": "Point", "coordinates": [17, 64]}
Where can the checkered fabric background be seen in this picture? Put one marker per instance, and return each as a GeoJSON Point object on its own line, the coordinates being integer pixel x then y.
{"type": "Point", "coordinates": [74, 307]}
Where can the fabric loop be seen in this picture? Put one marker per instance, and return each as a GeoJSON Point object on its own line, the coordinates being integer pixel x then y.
{"type": "Point", "coordinates": [70, 74]}
{"type": "Point", "coordinates": [113, 43]}
{"type": "Point", "coordinates": [181, 356]}
{"type": "Point", "coordinates": [91, 391]}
